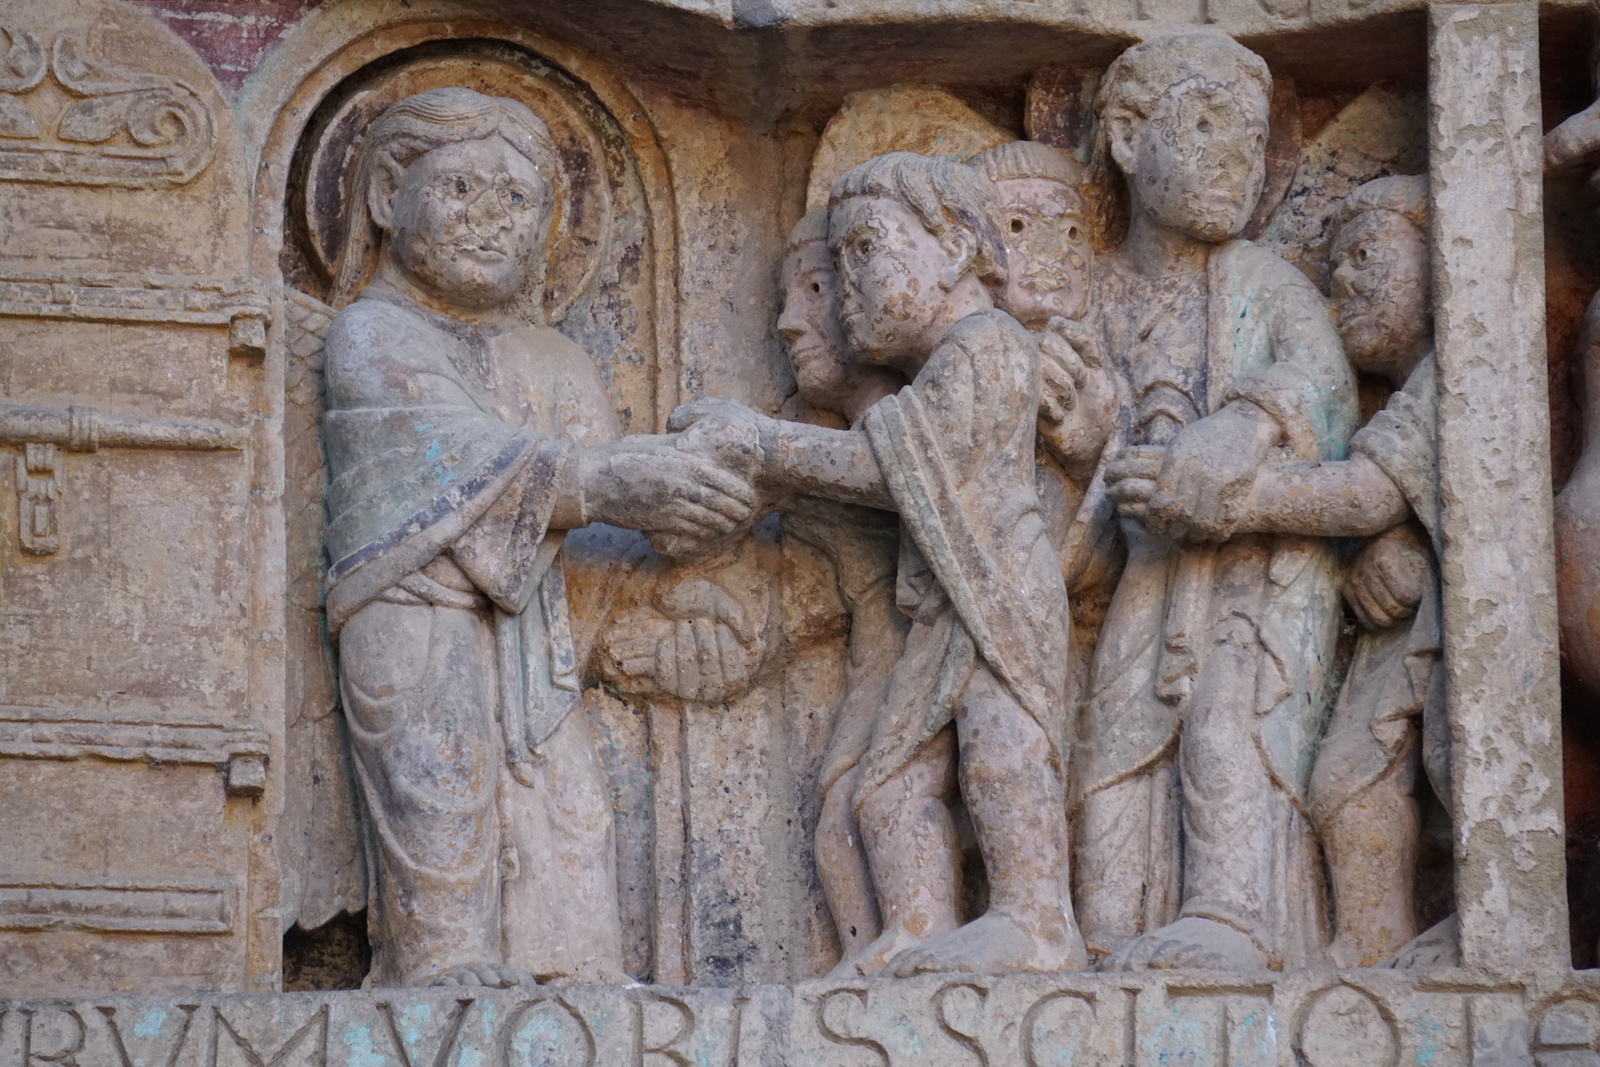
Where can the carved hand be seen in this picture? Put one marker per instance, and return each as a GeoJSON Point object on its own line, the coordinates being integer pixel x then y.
{"type": "Point", "coordinates": [725, 429]}
{"type": "Point", "coordinates": [1204, 485]}
{"type": "Point", "coordinates": [1386, 581]}
{"type": "Point", "coordinates": [1077, 405]}
{"type": "Point", "coordinates": [700, 647]}
{"type": "Point", "coordinates": [648, 483]}
{"type": "Point", "coordinates": [1131, 478]}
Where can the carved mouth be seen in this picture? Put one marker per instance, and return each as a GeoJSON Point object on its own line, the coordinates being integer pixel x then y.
{"type": "Point", "coordinates": [483, 253]}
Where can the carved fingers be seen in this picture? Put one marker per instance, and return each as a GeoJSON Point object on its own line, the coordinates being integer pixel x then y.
{"type": "Point", "coordinates": [1388, 578]}
{"type": "Point", "coordinates": [1131, 478]}
{"type": "Point", "coordinates": [647, 483]}
{"type": "Point", "coordinates": [1205, 480]}
{"type": "Point", "coordinates": [1064, 374]}
{"type": "Point", "coordinates": [700, 644]}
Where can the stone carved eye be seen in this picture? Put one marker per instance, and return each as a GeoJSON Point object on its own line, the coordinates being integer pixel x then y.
{"type": "Point", "coordinates": [1074, 233]}
{"type": "Point", "coordinates": [517, 199]}
{"type": "Point", "coordinates": [1361, 257]}
{"type": "Point", "coordinates": [1204, 125]}
{"type": "Point", "coordinates": [1016, 225]}
{"type": "Point", "coordinates": [460, 186]}
{"type": "Point", "coordinates": [816, 287]}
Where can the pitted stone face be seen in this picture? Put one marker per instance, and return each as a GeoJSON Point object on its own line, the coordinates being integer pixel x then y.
{"type": "Point", "coordinates": [466, 220]}
{"type": "Point", "coordinates": [1048, 251]}
{"type": "Point", "coordinates": [895, 278]}
{"type": "Point", "coordinates": [1381, 291]}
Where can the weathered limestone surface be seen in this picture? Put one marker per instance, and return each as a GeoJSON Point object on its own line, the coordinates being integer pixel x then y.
{"type": "Point", "coordinates": [1494, 461]}
{"type": "Point", "coordinates": [1320, 1019]}
{"type": "Point", "coordinates": [799, 504]}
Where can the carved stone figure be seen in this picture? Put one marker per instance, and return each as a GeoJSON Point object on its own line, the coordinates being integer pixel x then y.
{"type": "Point", "coordinates": [461, 443]}
{"type": "Point", "coordinates": [1573, 145]}
{"type": "Point", "coordinates": [1211, 668]}
{"type": "Point", "coordinates": [915, 244]}
{"type": "Point", "coordinates": [863, 544]}
{"type": "Point", "coordinates": [1366, 768]}
{"type": "Point", "coordinates": [1044, 223]}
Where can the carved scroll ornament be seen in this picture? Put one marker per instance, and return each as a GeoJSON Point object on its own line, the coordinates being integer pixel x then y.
{"type": "Point", "coordinates": [123, 128]}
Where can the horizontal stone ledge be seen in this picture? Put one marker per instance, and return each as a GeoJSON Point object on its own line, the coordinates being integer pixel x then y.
{"type": "Point", "coordinates": [1367, 1017]}
{"type": "Point", "coordinates": [116, 906]}
{"type": "Point", "coordinates": [132, 299]}
{"type": "Point", "coordinates": [71, 733]}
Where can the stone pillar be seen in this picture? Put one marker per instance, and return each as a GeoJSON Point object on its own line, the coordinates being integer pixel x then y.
{"type": "Point", "coordinates": [1494, 440]}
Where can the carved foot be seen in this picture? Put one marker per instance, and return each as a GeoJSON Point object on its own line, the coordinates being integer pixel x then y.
{"type": "Point", "coordinates": [1191, 943]}
{"type": "Point", "coordinates": [872, 959]}
{"type": "Point", "coordinates": [485, 975]}
{"type": "Point", "coordinates": [993, 944]}
{"type": "Point", "coordinates": [1437, 946]}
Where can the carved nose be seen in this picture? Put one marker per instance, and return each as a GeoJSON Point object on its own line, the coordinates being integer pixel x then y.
{"type": "Point", "coordinates": [487, 213]}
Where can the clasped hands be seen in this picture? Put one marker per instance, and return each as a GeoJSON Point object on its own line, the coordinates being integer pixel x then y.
{"type": "Point", "coordinates": [1196, 488]}
{"type": "Point", "coordinates": [682, 496]}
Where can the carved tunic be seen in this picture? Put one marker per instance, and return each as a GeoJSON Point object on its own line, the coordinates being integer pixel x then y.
{"type": "Point", "coordinates": [447, 595]}
{"type": "Point", "coordinates": [1230, 643]}
{"type": "Point", "coordinates": [978, 574]}
{"type": "Point", "coordinates": [1393, 675]}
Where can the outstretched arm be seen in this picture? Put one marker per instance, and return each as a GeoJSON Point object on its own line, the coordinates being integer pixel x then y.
{"type": "Point", "coordinates": [785, 458]}
{"type": "Point", "coordinates": [1217, 479]}
{"type": "Point", "coordinates": [1345, 498]}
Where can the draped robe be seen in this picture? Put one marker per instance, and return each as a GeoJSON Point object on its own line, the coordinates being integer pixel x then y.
{"type": "Point", "coordinates": [488, 832]}
{"type": "Point", "coordinates": [978, 574]}
{"type": "Point", "coordinates": [1209, 685]}
{"type": "Point", "coordinates": [1394, 673]}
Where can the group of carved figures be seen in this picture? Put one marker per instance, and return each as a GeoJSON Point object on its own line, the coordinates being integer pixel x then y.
{"type": "Point", "coordinates": [1173, 425]}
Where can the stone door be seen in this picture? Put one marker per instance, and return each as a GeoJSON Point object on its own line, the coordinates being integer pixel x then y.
{"type": "Point", "coordinates": [133, 655]}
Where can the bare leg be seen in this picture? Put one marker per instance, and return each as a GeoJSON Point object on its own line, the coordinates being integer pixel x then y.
{"type": "Point", "coordinates": [842, 866]}
{"type": "Point", "coordinates": [1371, 844]}
{"type": "Point", "coordinates": [911, 843]}
{"type": "Point", "coordinates": [1018, 810]}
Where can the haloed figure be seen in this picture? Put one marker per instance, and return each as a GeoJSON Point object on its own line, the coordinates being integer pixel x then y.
{"type": "Point", "coordinates": [462, 443]}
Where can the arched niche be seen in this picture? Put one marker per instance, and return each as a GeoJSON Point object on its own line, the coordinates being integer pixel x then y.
{"type": "Point", "coordinates": [613, 281]}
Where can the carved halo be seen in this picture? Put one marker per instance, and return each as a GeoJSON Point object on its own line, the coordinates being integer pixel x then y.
{"type": "Point", "coordinates": [581, 223]}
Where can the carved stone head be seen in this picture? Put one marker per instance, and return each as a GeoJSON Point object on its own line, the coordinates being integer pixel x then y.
{"type": "Point", "coordinates": [812, 332]}
{"type": "Point", "coordinates": [453, 190]}
{"type": "Point", "coordinates": [1045, 229]}
{"type": "Point", "coordinates": [1186, 119]}
{"type": "Point", "coordinates": [1381, 280]}
{"type": "Point", "coordinates": [906, 230]}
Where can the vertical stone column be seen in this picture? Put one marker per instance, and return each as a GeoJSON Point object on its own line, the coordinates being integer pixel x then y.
{"type": "Point", "coordinates": [1494, 440]}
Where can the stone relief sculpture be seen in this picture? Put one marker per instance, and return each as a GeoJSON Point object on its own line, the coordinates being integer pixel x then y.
{"type": "Point", "coordinates": [1053, 575]}
{"type": "Point", "coordinates": [1571, 146]}
{"type": "Point", "coordinates": [1366, 769]}
{"type": "Point", "coordinates": [136, 129]}
{"type": "Point", "coordinates": [915, 242]}
{"type": "Point", "coordinates": [863, 544]}
{"type": "Point", "coordinates": [461, 443]}
{"type": "Point", "coordinates": [1208, 682]}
